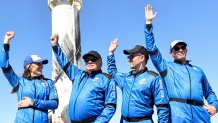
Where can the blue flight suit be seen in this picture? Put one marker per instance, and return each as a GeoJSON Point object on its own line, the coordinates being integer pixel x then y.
{"type": "Point", "coordinates": [93, 97]}
{"type": "Point", "coordinates": [187, 86]}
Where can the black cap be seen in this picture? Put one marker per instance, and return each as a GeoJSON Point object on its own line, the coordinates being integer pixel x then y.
{"type": "Point", "coordinates": [137, 49]}
{"type": "Point", "coordinates": [92, 53]}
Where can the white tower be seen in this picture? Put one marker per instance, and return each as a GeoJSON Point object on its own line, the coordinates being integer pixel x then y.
{"type": "Point", "coordinates": [65, 22]}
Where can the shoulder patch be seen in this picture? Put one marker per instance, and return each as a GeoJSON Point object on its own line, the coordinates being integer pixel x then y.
{"type": "Point", "coordinates": [153, 73]}
{"type": "Point", "coordinates": [107, 75]}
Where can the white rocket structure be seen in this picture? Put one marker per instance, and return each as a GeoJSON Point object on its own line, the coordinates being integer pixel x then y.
{"type": "Point", "coordinates": [65, 22]}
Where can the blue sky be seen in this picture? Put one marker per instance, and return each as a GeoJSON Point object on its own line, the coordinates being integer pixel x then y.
{"type": "Point", "coordinates": [193, 21]}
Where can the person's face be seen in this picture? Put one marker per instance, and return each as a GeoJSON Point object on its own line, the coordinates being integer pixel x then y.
{"type": "Point", "coordinates": [179, 53]}
{"type": "Point", "coordinates": [92, 64]}
{"type": "Point", "coordinates": [135, 60]}
{"type": "Point", "coordinates": [36, 69]}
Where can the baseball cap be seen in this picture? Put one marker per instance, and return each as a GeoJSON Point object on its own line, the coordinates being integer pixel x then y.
{"type": "Point", "coordinates": [34, 59]}
{"type": "Point", "coordinates": [92, 53]}
{"type": "Point", "coordinates": [137, 49]}
{"type": "Point", "coordinates": [177, 42]}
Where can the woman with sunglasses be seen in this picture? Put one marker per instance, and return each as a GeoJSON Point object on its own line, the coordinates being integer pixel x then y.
{"type": "Point", "coordinates": [186, 84]}
{"type": "Point", "coordinates": [36, 94]}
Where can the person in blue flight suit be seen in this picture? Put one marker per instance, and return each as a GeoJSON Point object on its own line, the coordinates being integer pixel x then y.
{"type": "Point", "coordinates": [36, 94]}
{"type": "Point", "coordinates": [187, 85]}
{"type": "Point", "coordinates": [93, 97]}
{"type": "Point", "coordinates": [141, 88]}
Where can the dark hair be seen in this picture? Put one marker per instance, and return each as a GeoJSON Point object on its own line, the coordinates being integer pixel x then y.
{"type": "Point", "coordinates": [26, 73]}
{"type": "Point", "coordinates": [147, 58]}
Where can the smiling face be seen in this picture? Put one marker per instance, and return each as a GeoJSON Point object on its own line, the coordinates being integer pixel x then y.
{"type": "Point", "coordinates": [36, 69]}
{"type": "Point", "coordinates": [179, 53]}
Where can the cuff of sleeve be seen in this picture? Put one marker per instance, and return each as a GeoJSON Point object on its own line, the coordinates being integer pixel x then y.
{"type": "Point", "coordinates": [6, 47]}
{"type": "Point", "coordinates": [111, 55]}
{"type": "Point", "coordinates": [148, 26]}
{"type": "Point", "coordinates": [55, 49]}
{"type": "Point", "coordinates": [32, 102]}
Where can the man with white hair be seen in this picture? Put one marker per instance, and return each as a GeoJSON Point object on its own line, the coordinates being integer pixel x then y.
{"type": "Point", "coordinates": [93, 96]}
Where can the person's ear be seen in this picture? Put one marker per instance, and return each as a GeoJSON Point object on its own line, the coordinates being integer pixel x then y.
{"type": "Point", "coordinates": [142, 57]}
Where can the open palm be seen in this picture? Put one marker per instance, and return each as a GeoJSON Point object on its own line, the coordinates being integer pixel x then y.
{"type": "Point", "coordinates": [149, 15]}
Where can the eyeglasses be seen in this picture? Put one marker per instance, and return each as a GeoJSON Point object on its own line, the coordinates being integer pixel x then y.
{"type": "Point", "coordinates": [131, 56]}
{"type": "Point", "coordinates": [91, 59]}
{"type": "Point", "coordinates": [178, 48]}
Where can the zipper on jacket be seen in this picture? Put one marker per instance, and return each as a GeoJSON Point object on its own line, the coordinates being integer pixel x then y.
{"type": "Point", "coordinates": [34, 83]}
{"type": "Point", "coordinates": [190, 88]}
{"type": "Point", "coordinates": [78, 95]}
{"type": "Point", "coordinates": [130, 93]}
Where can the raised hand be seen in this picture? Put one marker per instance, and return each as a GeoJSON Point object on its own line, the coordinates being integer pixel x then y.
{"type": "Point", "coordinates": [113, 46]}
{"type": "Point", "coordinates": [8, 36]}
{"type": "Point", "coordinates": [54, 39]}
{"type": "Point", "coordinates": [149, 16]}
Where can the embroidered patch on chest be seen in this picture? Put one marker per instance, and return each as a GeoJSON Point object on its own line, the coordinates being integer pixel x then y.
{"type": "Point", "coordinates": [43, 84]}
{"type": "Point", "coordinates": [142, 81]}
{"type": "Point", "coordinates": [95, 79]}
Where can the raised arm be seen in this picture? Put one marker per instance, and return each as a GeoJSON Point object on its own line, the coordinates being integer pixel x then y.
{"type": "Point", "coordinates": [149, 36]}
{"type": "Point", "coordinates": [61, 58]}
{"type": "Point", "coordinates": [155, 54]}
{"type": "Point", "coordinates": [70, 69]}
{"type": "Point", "coordinates": [4, 60]}
{"type": "Point", "coordinates": [111, 64]}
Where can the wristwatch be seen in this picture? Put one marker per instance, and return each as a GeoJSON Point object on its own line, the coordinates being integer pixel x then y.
{"type": "Point", "coordinates": [32, 102]}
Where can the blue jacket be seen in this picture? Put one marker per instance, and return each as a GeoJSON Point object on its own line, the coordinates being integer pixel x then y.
{"type": "Point", "coordinates": [42, 91]}
{"type": "Point", "coordinates": [184, 81]}
{"type": "Point", "coordinates": [93, 96]}
{"type": "Point", "coordinates": [140, 93]}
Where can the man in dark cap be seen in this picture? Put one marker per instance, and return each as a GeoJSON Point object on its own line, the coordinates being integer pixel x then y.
{"type": "Point", "coordinates": [93, 61]}
{"type": "Point", "coordinates": [141, 88]}
{"type": "Point", "coordinates": [93, 96]}
{"type": "Point", "coordinates": [187, 85]}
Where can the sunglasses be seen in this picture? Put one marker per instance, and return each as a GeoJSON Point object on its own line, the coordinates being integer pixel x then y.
{"type": "Point", "coordinates": [91, 59]}
{"type": "Point", "coordinates": [131, 56]}
{"type": "Point", "coordinates": [178, 48]}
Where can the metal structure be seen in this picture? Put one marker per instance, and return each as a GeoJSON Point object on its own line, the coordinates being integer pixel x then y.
{"type": "Point", "coordinates": [65, 22]}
